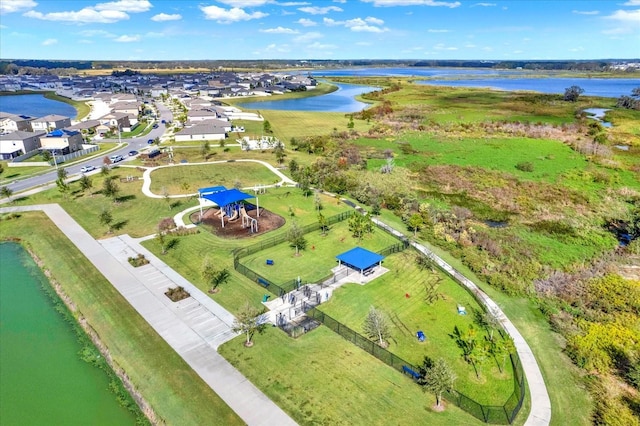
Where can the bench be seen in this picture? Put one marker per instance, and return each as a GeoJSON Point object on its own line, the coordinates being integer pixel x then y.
{"type": "Point", "coordinates": [269, 262]}
{"type": "Point", "coordinates": [263, 282]}
{"type": "Point", "coordinates": [367, 272]}
{"type": "Point", "coordinates": [409, 371]}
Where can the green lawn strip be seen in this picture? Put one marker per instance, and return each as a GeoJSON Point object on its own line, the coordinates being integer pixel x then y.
{"type": "Point", "coordinates": [242, 174]}
{"type": "Point", "coordinates": [300, 124]}
{"type": "Point", "coordinates": [176, 393]}
{"type": "Point", "coordinates": [141, 129]}
{"type": "Point", "coordinates": [407, 315]}
{"type": "Point", "coordinates": [316, 261]}
{"type": "Point", "coordinates": [570, 400]}
{"type": "Point", "coordinates": [320, 378]}
{"type": "Point", "coordinates": [133, 213]}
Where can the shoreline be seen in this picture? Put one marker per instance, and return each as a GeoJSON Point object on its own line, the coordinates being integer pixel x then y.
{"type": "Point", "coordinates": [82, 109]}
{"type": "Point", "coordinates": [81, 323]}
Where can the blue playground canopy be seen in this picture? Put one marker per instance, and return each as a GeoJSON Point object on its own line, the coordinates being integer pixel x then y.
{"type": "Point", "coordinates": [359, 258]}
{"type": "Point", "coordinates": [224, 198]}
{"type": "Point", "coordinates": [211, 190]}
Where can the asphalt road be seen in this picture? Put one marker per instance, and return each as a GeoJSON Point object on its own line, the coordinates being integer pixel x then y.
{"type": "Point", "coordinates": [132, 144]}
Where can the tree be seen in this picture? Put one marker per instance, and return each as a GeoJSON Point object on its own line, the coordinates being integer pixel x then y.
{"type": "Point", "coordinates": [416, 222]}
{"type": "Point", "coordinates": [376, 326]}
{"type": "Point", "coordinates": [46, 155]}
{"type": "Point", "coordinates": [1, 168]}
{"type": "Point", "coordinates": [104, 170]}
{"type": "Point", "coordinates": [213, 276]}
{"type": "Point", "coordinates": [293, 166]}
{"type": "Point", "coordinates": [278, 151]}
{"type": "Point", "coordinates": [322, 221]}
{"type": "Point", "coordinates": [85, 183]}
{"type": "Point", "coordinates": [110, 189]}
{"type": "Point", "coordinates": [106, 161]}
{"type": "Point", "coordinates": [62, 174]}
{"type": "Point", "coordinates": [266, 126]}
{"type": "Point", "coordinates": [501, 349]}
{"type": "Point", "coordinates": [205, 148]}
{"type": "Point", "coordinates": [439, 378]}
{"type": "Point", "coordinates": [296, 239]}
{"type": "Point", "coordinates": [63, 187]}
{"type": "Point", "coordinates": [106, 218]}
{"type": "Point", "coordinates": [249, 321]}
{"type": "Point", "coordinates": [359, 225]}
{"type": "Point", "coordinates": [6, 192]}
{"type": "Point", "coordinates": [571, 94]}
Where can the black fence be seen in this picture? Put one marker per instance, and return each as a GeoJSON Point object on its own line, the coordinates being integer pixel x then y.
{"type": "Point", "coordinates": [496, 414]}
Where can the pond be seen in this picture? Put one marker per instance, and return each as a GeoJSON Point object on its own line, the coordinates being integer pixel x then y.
{"type": "Point", "coordinates": [42, 379]}
{"type": "Point", "coordinates": [341, 100]}
{"type": "Point", "coordinates": [35, 105]}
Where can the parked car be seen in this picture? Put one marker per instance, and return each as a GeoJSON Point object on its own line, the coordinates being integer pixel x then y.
{"type": "Point", "coordinates": [155, 126]}
{"type": "Point", "coordinates": [150, 141]}
{"type": "Point", "coordinates": [86, 169]}
{"type": "Point", "coordinates": [132, 153]}
{"type": "Point", "coordinates": [116, 158]}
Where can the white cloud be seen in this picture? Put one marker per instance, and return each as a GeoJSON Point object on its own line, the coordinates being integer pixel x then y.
{"type": "Point", "coordinates": [244, 3]}
{"type": "Point", "coordinates": [11, 6]}
{"type": "Point", "coordinates": [319, 46]}
{"type": "Point", "coordinates": [438, 31]}
{"type": "Point", "coordinates": [133, 6]}
{"type": "Point", "coordinates": [441, 46]}
{"type": "Point", "coordinates": [96, 33]}
{"type": "Point", "coordinates": [389, 3]}
{"type": "Point", "coordinates": [307, 37]}
{"type": "Point", "coordinates": [315, 10]}
{"type": "Point", "coordinates": [49, 42]}
{"type": "Point", "coordinates": [585, 12]}
{"type": "Point", "coordinates": [632, 3]}
{"type": "Point", "coordinates": [626, 16]}
{"type": "Point", "coordinates": [484, 5]}
{"type": "Point", "coordinates": [227, 16]}
{"type": "Point", "coordinates": [306, 22]}
{"type": "Point", "coordinates": [162, 17]}
{"type": "Point", "coordinates": [127, 38]}
{"type": "Point", "coordinates": [85, 41]}
{"type": "Point", "coordinates": [368, 24]}
{"type": "Point", "coordinates": [279, 30]}
{"type": "Point", "coordinates": [83, 16]}
{"type": "Point", "coordinates": [292, 3]}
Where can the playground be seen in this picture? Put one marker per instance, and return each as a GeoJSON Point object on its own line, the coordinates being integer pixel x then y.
{"type": "Point", "coordinates": [243, 223]}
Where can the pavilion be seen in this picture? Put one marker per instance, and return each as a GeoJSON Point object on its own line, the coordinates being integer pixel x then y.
{"type": "Point", "coordinates": [361, 260]}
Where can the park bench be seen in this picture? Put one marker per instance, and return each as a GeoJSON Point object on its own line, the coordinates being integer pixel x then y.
{"type": "Point", "coordinates": [263, 282]}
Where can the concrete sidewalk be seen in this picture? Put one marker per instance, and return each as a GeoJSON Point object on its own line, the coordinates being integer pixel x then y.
{"type": "Point", "coordinates": [193, 327]}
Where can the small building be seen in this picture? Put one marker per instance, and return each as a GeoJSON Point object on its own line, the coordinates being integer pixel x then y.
{"type": "Point", "coordinates": [13, 122]}
{"type": "Point", "coordinates": [18, 143]}
{"type": "Point", "coordinates": [63, 141]}
{"type": "Point", "coordinates": [50, 122]}
{"type": "Point", "coordinates": [201, 132]}
{"type": "Point", "coordinates": [361, 260]}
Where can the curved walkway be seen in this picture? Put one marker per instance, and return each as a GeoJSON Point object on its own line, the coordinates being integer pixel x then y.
{"type": "Point", "coordinates": [193, 327]}
{"type": "Point", "coordinates": [146, 176]}
{"type": "Point", "coordinates": [540, 414]}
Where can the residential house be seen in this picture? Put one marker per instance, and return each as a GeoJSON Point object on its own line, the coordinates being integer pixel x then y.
{"type": "Point", "coordinates": [201, 132]}
{"type": "Point", "coordinates": [50, 122]}
{"type": "Point", "coordinates": [13, 122]}
{"type": "Point", "coordinates": [63, 141]}
{"type": "Point", "coordinates": [116, 120]}
{"type": "Point", "coordinates": [18, 143]}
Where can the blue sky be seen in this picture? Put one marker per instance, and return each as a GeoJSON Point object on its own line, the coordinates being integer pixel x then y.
{"type": "Point", "coordinates": [326, 29]}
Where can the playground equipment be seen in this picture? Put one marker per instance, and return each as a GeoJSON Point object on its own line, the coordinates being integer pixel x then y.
{"type": "Point", "coordinates": [420, 335]}
{"type": "Point", "coordinates": [462, 310]}
{"type": "Point", "coordinates": [248, 221]}
{"type": "Point", "coordinates": [260, 189]}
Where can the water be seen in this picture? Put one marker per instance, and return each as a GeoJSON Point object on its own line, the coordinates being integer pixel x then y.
{"type": "Point", "coordinates": [341, 100]}
{"type": "Point", "coordinates": [42, 379]}
{"type": "Point", "coordinates": [497, 79]}
{"type": "Point", "coordinates": [598, 115]}
{"type": "Point", "coordinates": [35, 105]}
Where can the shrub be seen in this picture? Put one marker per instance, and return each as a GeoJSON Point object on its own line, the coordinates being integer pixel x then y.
{"type": "Point", "coordinates": [177, 294]}
{"type": "Point", "coordinates": [139, 260]}
{"type": "Point", "coordinates": [525, 166]}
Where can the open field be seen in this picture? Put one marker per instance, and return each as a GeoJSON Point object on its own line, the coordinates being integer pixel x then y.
{"type": "Point", "coordinates": [437, 320]}
{"type": "Point", "coordinates": [175, 179]}
{"type": "Point", "coordinates": [177, 394]}
{"type": "Point", "coordinates": [300, 124]}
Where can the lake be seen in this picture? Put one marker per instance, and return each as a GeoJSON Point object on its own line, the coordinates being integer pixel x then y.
{"type": "Point", "coordinates": [341, 100]}
{"type": "Point", "coordinates": [497, 79]}
{"type": "Point", "coordinates": [35, 105]}
{"type": "Point", "coordinates": [42, 380]}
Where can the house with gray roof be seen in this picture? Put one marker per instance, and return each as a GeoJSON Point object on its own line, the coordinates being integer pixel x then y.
{"type": "Point", "coordinates": [50, 122]}
{"type": "Point", "coordinates": [202, 132]}
{"type": "Point", "coordinates": [12, 122]}
{"type": "Point", "coordinates": [19, 142]}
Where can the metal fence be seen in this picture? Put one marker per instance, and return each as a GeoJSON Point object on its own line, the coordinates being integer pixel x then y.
{"type": "Point", "coordinates": [496, 414]}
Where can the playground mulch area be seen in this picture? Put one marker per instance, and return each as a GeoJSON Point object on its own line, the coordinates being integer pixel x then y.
{"type": "Point", "coordinates": [268, 221]}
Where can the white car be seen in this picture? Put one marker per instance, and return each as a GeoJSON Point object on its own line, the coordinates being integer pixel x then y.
{"type": "Point", "coordinates": [86, 169]}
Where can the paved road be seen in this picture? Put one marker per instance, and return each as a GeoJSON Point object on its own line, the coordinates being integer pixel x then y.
{"type": "Point", "coordinates": [128, 145]}
{"type": "Point", "coordinates": [193, 327]}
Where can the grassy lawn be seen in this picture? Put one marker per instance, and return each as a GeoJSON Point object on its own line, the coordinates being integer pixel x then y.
{"type": "Point", "coordinates": [142, 128]}
{"type": "Point", "coordinates": [174, 180]}
{"type": "Point", "coordinates": [133, 213]}
{"type": "Point", "coordinates": [321, 379]}
{"type": "Point", "coordinates": [300, 124]}
{"type": "Point", "coordinates": [570, 401]}
{"type": "Point", "coordinates": [175, 392]}
{"type": "Point", "coordinates": [316, 261]}
{"type": "Point", "coordinates": [351, 303]}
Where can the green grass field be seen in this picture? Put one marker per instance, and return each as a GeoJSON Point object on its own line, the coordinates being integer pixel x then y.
{"type": "Point", "coordinates": [351, 303]}
{"type": "Point", "coordinates": [187, 178]}
{"type": "Point", "coordinates": [176, 393]}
